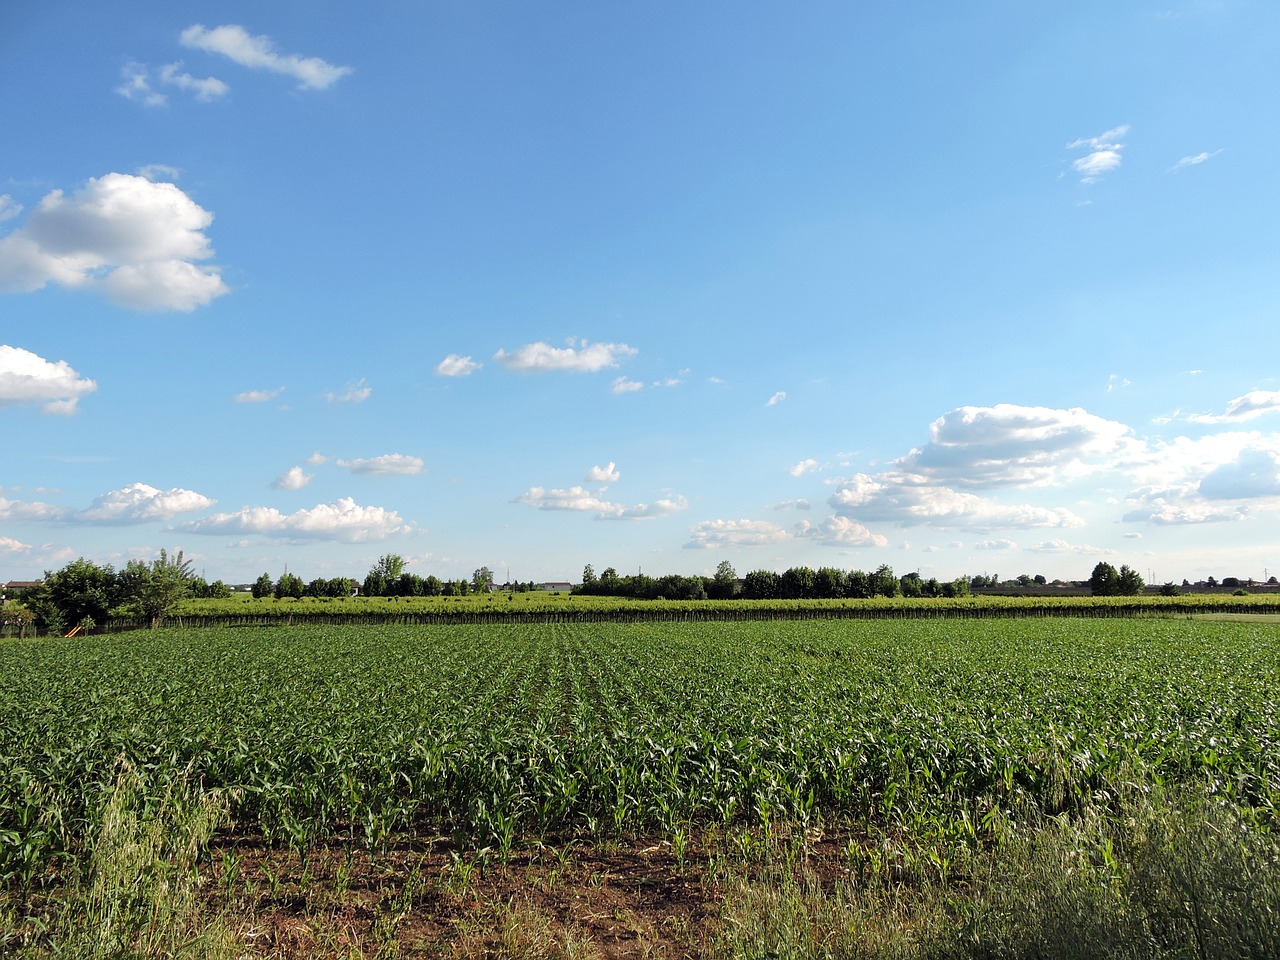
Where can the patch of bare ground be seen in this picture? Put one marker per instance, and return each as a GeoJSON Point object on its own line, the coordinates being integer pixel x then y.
{"type": "Point", "coordinates": [638, 898]}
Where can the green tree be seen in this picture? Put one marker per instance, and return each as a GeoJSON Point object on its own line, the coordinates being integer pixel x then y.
{"type": "Point", "coordinates": [797, 583]}
{"type": "Point", "coordinates": [610, 584]}
{"type": "Point", "coordinates": [384, 575]}
{"type": "Point", "coordinates": [482, 579]}
{"type": "Point", "coordinates": [264, 586]}
{"type": "Point", "coordinates": [156, 588]}
{"type": "Point", "coordinates": [289, 585]}
{"type": "Point", "coordinates": [725, 583]}
{"type": "Point", "coordinates": [858, 585]}
{"type": "Point", "coordinates": [342, 587]}
{"type": "Point", "coordinates": [883, 582]}
{"type": "Point", "coordinates": [391, 565]}
{"type": "Point", "coordinates": [81, 590]}
{"type": "Point", "coordinates": [829, 583]}
{"type": "Point", "coordinates": [201, 589]}
{"type": "Point", "coordinates": [1105, 580]}
{"type": "Point", "coordinates": [761, 585]}
{"type": "Point", "coordinates": [1129, 583]}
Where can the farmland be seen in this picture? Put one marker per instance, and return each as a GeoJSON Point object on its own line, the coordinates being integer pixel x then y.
{"type": "Point", "coordinates": [243, 610]}
{"type": "Point", "coordinates": [931, 739]}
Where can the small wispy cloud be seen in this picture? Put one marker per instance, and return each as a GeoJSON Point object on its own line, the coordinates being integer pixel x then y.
{"type": "Point", "coordinates": [258, 396]}
{"type": "Point", "coordinates": [394, 463]}
{"type": "Point", "coordinates": [1193, 161]}
{"type": "Point", "coordinates": [1255, 403]}
{"type": "Point", "coordinates": [9, 207]}
{"type": "Point", "coordinates": [159, 173]}
{"type": "Point", "coordinates": [1117, 382]}
{"type": "Point", "coordinates": [259, 53]}
{"type": "Point", "coordinates": [136, 84]}
{"type": "Point", "coordinates": [776, 399]}
{"type": "Point", "coordinates": [808, 465]}
{"type": "Point", "coordinates": [355, 391]}
{"type": "Point", "coordinates": [623, 385]}
{"type": "Point", "coordinates": [205, 89]}
{"type": "Point", "coordinates": [581, 500]}
{"type": "Point", "coordinates": [1103, 156]}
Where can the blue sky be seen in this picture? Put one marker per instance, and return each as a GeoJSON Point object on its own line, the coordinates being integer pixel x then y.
{"type": "Point", "coordinates": [970, 288]}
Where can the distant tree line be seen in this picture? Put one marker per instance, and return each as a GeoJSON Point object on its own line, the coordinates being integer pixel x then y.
{"type": "Point", "coordinates": [386, 578]}
{"type": "Point", "coordinates": [795, 583]}
{"type": "Point", "coordinates": [87, 594]}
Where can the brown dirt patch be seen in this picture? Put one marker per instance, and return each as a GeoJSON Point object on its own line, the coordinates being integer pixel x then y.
{"type": "Point", "coordinates": [607, 900]}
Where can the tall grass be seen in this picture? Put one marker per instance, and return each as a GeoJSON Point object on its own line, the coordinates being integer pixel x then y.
{"type": "Point", "coordinates": [139, 892]}
{"type": "Point", "coordinates": [1173, 875]}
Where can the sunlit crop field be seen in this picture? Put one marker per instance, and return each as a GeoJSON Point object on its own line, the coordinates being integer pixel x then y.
{"type": "Point", "coordinates": [497, 735]}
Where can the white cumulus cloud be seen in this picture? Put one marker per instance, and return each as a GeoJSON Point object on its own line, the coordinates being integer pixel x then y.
{"type": "Point", "coordinates": [836, 531]}
{"type": "Point", "coordinates": [1012, 445]}
{"type": "Point", "coordinates": [583, 358]}
{"type": "Point", "coordinates": [295, 478]}
{"type": "Point", "coordinates": [804, 466]}
{"type": "Point", "coordinates": [1164, 513]}
{"type": "Point", "coordinates": [130, 238]}
{"type": "Point", "coordinates": [29, 510]}
{"type": "Point", "coordinates": [28, 378]}
{"type": "Point", "coordinates": [343, 520]}
{"type": "Point", "coordinates": [456, 366]}
{"type": "Point", "coordinates": [259, 53]}
{"type": "Point", "coordinates": [142, 503]}
{"type": "Point", "coordinates": [907, 501]}
{"type": "Point", "coordinates": [710, 534]}
{"type": "Point", "coordinates": [9, 207]}
{"type": "Point", "coordinates": [1254, 474]}
{"type": "Point", "coordinates": [995, 545]}
{"type": "Point", "coordinates": [598, 474]}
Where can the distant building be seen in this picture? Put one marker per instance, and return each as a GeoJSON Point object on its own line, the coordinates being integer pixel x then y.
{"type": "Point", "coordinates": [16, 588]}
{"type": "Point", "coordinates": [564, 585]}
